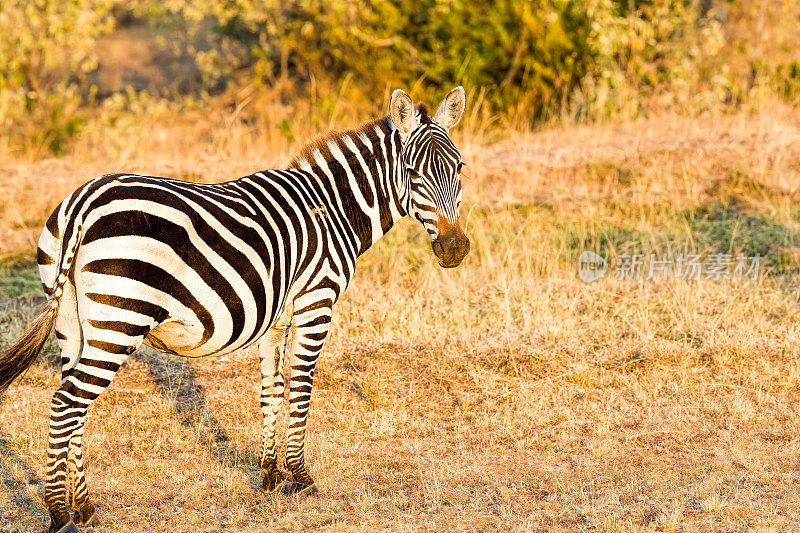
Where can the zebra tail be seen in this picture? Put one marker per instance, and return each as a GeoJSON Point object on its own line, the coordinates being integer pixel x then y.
{"type": "Point", "coordinates": [17, 359]}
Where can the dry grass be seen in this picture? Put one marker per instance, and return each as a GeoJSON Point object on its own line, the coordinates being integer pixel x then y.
{"type": "Point", "coordinates": [505, 394]}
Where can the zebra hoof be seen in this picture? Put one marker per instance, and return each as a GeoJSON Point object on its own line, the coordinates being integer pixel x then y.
{"type": "Point", "coordinates": [86, 515]}
{"type": "Point", "coordinates": [69, 527]}
{"type": "Point", "coordinates": [86, 519]}
{"type": "Point", "coordinates": [272, 480]}
{"type": "Point", "coordinates": [299, 489]}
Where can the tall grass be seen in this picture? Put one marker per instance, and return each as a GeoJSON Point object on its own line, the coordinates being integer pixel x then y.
{"type": "Point", "coordinates": [503, 394]}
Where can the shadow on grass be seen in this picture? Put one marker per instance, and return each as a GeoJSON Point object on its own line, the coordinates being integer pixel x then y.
{"type": "Point", "coordinates": [175, 380]}
{"type": "Point", "coordinates": [714, 227]}
{"type": "Point", "coordinates": [732, 228]}
{"type": "Point", "coordinates": [20, 483]}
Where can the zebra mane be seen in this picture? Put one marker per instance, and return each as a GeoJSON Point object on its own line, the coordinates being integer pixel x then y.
{"type": "Point", "coordinates": [320, 145]}
{"type": "Point", "coordinates": [424, 118]}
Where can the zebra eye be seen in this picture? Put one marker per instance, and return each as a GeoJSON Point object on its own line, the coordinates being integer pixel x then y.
{"type": "Point", "coordinates": [460, 166]}
{"type": "Point", "coordinates": [414, 174]}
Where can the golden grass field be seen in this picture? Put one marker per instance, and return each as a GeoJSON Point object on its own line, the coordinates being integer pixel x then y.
{"type": "Point", "coordinates": [505, 394]}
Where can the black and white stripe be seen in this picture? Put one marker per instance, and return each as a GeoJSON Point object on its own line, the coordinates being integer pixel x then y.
{"type": "Point", "coordinates": [199, 270]}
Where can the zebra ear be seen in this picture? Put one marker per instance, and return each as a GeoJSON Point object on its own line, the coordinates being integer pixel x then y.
{"type": "Point", "coordinates": [451, 109]}
{"type": "Point", "coordinates": [401, 111]}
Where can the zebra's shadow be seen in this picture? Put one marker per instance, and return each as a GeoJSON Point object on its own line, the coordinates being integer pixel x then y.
{"type": "Point", "coordinates": [21, 485]}
{"type": "Point", "coordinates": [174, 377]}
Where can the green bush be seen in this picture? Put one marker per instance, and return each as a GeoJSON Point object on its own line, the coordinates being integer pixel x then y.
{"type": "Point", "coordinates": [787, 80]}
{"type": "Point", "coordinates": [542, 58]}
{"type": "Point", "coordinates": [530, 60]}
{"type": "Point", "coordinates": [47, 48]}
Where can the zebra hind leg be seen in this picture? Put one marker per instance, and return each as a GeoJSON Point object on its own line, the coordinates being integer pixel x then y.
{"type": "Point", "coordinates": [310, 331]}
{"type": "Point", "coordinates": [85, 512]}
{"type": "Point", "coordinates": [68, 334]}
{"type": "Point", "coordinates": [81, 384]}
{"type": "Point", "coordinates": [270, 350]}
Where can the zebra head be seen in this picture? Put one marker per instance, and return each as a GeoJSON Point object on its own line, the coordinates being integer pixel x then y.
{"type": "Point", "coordinates": [431, 167]}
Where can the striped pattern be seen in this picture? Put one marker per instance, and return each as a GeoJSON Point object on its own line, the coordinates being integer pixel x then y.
{"type": "Point", "coordinates": [438, 193]}
{"type": "Point", "coordinates": [199, 270]}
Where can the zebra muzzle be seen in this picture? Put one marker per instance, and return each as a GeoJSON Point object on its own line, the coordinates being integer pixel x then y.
{"type": "Point", "coordinates": [451, 245]}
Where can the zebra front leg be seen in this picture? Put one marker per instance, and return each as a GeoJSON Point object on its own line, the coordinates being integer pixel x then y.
{"type": "Point", "coordinates": [270, 350]}
{"type": "Point", "coordinates": [309, 333]}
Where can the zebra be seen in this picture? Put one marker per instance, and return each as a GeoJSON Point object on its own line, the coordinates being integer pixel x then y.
{"type": "Point", "coordinates": [205, 269]}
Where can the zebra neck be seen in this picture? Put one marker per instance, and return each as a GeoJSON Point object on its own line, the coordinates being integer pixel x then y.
{"type": "Point", "coordinates": [364, 168]}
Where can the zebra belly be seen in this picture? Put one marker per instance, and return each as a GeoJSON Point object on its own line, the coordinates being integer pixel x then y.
{"type": "Point", "coordinates": [177, 337]}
